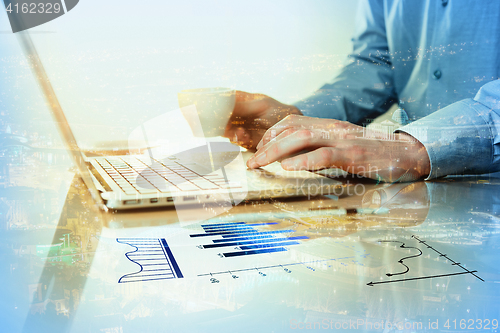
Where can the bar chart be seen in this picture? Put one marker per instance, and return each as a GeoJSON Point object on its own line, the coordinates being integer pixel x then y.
{"type": "Point", "coordinates": [246, 238]}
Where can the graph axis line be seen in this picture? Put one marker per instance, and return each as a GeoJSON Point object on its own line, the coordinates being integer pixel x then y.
{"type": "Point", "coordinates": [272, 266]}
{"type": "Point", "coordinates": [419, 278]}
{"type": "Point", "coordinates": [445, 256]}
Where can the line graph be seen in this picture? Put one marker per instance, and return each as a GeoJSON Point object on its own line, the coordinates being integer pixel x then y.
{"type": "Point", "coordinates": [154, 257]}
{"type": "Point", "coordinates": [431, 248]}
{"type": "Point", "coordinates": [402, 259]}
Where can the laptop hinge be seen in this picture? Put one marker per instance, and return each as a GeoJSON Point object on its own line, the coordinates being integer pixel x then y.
{"type": "Point", "coordinates": [100, 182]}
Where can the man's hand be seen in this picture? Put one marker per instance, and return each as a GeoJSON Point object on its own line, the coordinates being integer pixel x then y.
{"type": "Point", "coordinates": [254, 114]}
{"type": "Point", "coordinates": [339, 144]}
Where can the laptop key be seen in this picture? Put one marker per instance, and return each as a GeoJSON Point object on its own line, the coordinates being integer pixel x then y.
{"type": "Point", "coordinates": [204, 184]}
{"type": "Point", "coordinates": [176, 180]}
{"type": "Point", "coordinates": [147, 191]}
{"type": "Point", "coordinates": [187, 187]}
{"type": "Point", "coordinates": [130, 192]}
{"type": "Point", "coordinates": [201, 170]}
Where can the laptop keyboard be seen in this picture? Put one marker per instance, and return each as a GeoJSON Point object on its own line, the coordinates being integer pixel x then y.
{"type": "Point", "coordinates": [135, 175]}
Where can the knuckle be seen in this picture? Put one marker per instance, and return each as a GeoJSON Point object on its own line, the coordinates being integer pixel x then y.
{"type": "Point", "coordinates": [304, 134]}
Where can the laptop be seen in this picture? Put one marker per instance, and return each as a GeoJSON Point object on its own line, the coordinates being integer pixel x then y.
{"type": "Point", "coordinates": [215, 172]}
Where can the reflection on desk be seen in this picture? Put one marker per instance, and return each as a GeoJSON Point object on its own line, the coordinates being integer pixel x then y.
{"type": "Point", "coordinates": [414, 257]}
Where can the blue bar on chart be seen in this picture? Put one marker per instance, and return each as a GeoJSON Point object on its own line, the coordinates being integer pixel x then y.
{"type": "Point", "coordinates": [244, 231]}
{"type": "Point", "coordinates": [236, 226]}
{"type": "Point", "coordinates": [241, 238]}
{"type": "Point", "coordinates": [256, 241]}
{"type": "Point", "coordinates": [170, 256]}
{"type": "Point", "coordinates": [230, 228]}
{"type": "Point", "coordinates": [247, 239]}
{"type": "Point", "coordinates": [211, 230]}
{"type": "Point", "coordinates": [263, 233]}
{"type": "Point", "coordinates": [250, 252]}
{"type": "Point", "coordinates": [264, 246]}
{"type": "Point", "coordinates": [240, 232]}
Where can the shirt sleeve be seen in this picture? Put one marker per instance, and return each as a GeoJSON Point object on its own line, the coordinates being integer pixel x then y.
{"type": "Point", "coordinates": [364, 88]}
{"type": "Point", "coordinates": [464, 137]}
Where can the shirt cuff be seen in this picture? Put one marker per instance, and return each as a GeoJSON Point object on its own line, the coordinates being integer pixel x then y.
{"type": "Point", "coordinates": [457, 139]}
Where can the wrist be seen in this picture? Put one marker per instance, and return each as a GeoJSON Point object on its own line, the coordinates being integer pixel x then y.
{"type": "Point", "coordinates": [417, 156]}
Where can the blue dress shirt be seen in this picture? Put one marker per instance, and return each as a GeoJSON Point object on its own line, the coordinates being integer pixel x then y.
{"type": "Point", "coordinates": [440, 61]}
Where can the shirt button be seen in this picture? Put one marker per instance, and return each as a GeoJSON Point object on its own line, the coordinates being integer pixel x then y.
{"type": "Point", "coordinates": [437, 74]}
{"type": "Point", "coordinates": [444, 2]}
